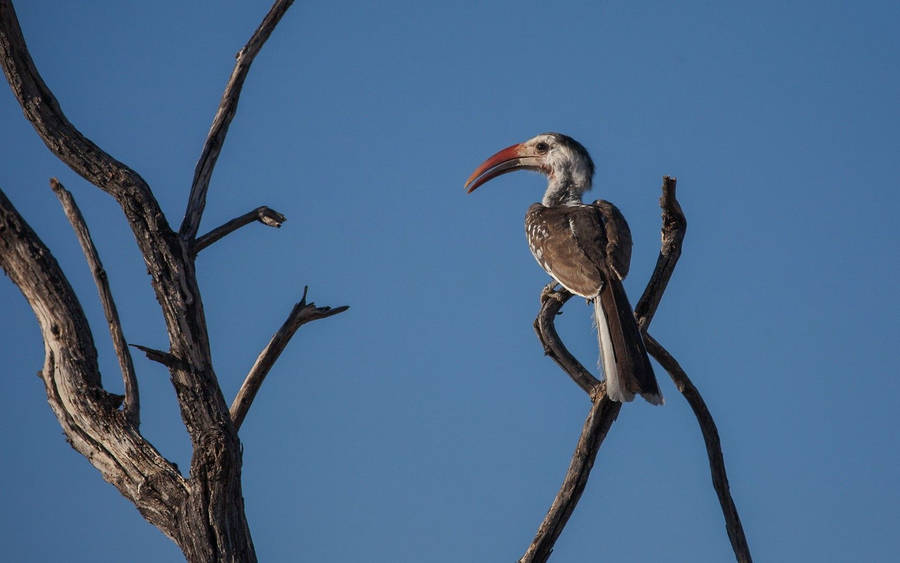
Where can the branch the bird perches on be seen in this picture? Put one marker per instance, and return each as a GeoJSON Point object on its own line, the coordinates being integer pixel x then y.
{"type": "Point", "coordinates": [604, 411]}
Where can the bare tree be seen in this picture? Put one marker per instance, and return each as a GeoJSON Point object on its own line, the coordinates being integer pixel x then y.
{"type": "Point", "coordinates": [604, 411]}
{"type": "Point", "coordinates": [204, 512]}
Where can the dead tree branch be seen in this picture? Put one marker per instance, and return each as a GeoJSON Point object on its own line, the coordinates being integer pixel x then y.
{"type": "Point", "coordinates": [713, 447]}
{"type": "Point", "coordinates": [599, 420]}
{"type": "Point", "coordinates": [263, 214]}
{"type": "Point", "coordinates": [604, 411]}
{"type": "Point", "coordinates": [212, 525]}
{"type": "Point", "coordinates": [132, 398]}
{"type": "Point", "coordinates": [88, 414]}
{"type": "Point", "coordinates": [673, 231]}
{"type": "Point", "coordinates": [301, 314]}
{"type": "Point", "coordinates": [552, 301]}
{"type": "Point", "coordinates": [204, 514]}
{"type": "Point", "coordinates": [674, 227]}
{"type": "Point", "coordinates": [227, 109]}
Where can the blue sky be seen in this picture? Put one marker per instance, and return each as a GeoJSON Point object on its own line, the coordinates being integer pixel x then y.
{"type": "Point", "coordinates": [425, 424]}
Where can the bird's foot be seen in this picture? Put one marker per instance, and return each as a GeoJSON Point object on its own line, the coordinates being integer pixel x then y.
{"type": "Point", "coordinates": [550, 292]}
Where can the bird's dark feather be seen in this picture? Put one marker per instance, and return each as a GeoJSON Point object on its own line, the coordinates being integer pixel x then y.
{"type": "Point", "coordinates": [587, 249]}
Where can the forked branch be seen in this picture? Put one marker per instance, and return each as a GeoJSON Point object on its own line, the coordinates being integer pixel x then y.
{"type": "Point", "coordinates": [226, 112]}
{"type": "Point", "coordinates": [673, 231]}
{"type": "Point", "coordinates": [301, 314]}
{"type": "Point", "coordinates": [603, 411]}
{"type": "Point", "coordinates": [132, 398]}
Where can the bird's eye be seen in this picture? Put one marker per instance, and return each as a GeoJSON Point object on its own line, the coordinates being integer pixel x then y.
{"type": "Point", "coordinates": [542, 147]}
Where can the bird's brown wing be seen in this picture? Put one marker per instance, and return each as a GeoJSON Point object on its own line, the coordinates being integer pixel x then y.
{"type": "Point", "coordinates": [618, 237]}
{"type": "Point", "coordinates": [574, 263]}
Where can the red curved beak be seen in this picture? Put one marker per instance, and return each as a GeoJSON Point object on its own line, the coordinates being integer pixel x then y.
{"type": "Point", "coordinates": [507, 160]}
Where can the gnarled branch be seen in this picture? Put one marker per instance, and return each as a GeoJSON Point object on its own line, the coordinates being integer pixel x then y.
{"type": "Point", "coordinates": [301, 314]}
{"type": "Point", "coordinates": [674, 227]}
{"type": "Point", "coordinates": [204, 514]}
{"type": "Point", "coordinates": [227, 109]}
{"type": "Point", "coordinates": [71, 378]}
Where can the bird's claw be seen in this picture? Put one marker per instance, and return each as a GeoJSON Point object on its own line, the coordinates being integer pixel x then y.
{"type": "Point", "coordinates": [550, 292]}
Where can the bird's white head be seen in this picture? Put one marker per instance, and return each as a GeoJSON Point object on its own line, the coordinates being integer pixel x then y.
{"type": "Point", "coordinates": [565, 162]}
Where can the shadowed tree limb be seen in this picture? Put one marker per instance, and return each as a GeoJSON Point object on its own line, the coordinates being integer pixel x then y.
{"type": "Point", "coordinates": [301, 314]}
{"type": "Point", "coordinates": [603, 411]}
{"type": "Point", "coordinates": [263, 214]}
{"type": "Point", "coordinates": [132, 398]}
{"type": "Point", "coordinates": [222, 120]}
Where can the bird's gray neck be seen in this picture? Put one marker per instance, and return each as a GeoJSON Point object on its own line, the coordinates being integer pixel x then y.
{"type": "Point", "coordinates": [562, 191]}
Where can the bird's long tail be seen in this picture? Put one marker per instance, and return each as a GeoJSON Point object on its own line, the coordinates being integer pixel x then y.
{"type": "Point", "coordinates": [622, 354]}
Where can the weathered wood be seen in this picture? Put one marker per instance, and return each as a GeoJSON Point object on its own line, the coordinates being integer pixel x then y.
{"type": "Point", "coordinates": [673, 231]}
{"type": "Point", "coordinates": [713, 447]}
{"type": "Point", "coordinates": [212, 525]}
{"type": "Point", "coordinates": [71, 377]}
{"type": "Point", "coordinates": [599, 420]}
{"type": "Point", "coordinates": [73, 214]}
{"type": "Point", "coordinates": [263, 214]}
{"type": "Point", "coordinates": [301, 314]}
{"type": "Point", "coordinates": [227, 109]}
{"type": "Point", "coordinates": [674, 227]}
{"type": "Point", "coordinates": [203, 514]}
{"type": "Point", "coordinates": [552, 301]}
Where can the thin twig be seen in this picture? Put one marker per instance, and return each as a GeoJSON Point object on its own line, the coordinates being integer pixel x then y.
{"type": "Point", "coordinates": [263, 214]}
{"type": "Point", "coordinates": [301, 314]}
{"type": "Point", "coordinates": [165, 358]}
{"type": "Point", "coordinates": [713, 446]}
{"type": "Point", "coordinates": [132, 408]}
{"type": "Point", "coordinates": [227, 109]}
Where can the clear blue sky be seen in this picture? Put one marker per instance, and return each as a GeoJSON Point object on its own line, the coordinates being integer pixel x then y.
{"type": "Point", "coordinates": [425, 424]}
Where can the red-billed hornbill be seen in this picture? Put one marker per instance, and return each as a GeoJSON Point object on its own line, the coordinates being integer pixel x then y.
{"type": "Point", "coordinates": [586, 248]}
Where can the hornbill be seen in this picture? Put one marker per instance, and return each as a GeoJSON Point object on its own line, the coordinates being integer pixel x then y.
{"type": "Point", "coordinates": [585, 248]}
